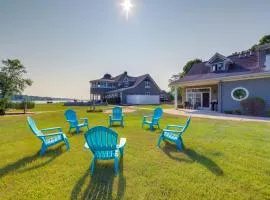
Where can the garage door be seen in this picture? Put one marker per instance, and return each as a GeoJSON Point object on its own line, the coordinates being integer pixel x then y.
{"type": "Point", "coordinates": [143, 99]}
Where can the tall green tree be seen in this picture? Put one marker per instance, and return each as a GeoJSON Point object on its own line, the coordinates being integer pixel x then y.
{"type": "Point", "coordinates": [264, 40]}
{"type": "Point", "coordinates": [186, 69]}
{"type": "Point", "coordinates": [12, 81]}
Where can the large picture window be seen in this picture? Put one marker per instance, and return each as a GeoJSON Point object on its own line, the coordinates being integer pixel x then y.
{"type": "Point", "coordinates": [239, 93]}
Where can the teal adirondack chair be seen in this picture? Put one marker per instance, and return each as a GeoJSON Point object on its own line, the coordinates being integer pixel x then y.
{"type": "Point", "coordinates": [48, 139]}
{"type": "Point", "coordinates": [173, 133]}
{"type": "Point", "coordinates": [116, 116]}
{"type": "Point", "coordinates": [73, 122]}
{"type": "Point", "coordinates": [102, 141]}
{"type": "Point", "coordinates": [154, 119]}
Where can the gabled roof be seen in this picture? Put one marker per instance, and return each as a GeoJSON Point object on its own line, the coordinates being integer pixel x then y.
{"type": "Point", "coordinates": [245, 63]}
{"type": "Point", "coordinates": [217, 55]}
{"type": "Point", "coordinates": [138, 80]}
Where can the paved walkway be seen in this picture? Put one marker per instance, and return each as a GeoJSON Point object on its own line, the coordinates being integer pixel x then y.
{"type": "Point", "coordinates": [214, 115]}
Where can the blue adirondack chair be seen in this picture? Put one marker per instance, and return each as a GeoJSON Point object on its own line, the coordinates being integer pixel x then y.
{"type": "Point", "coordinates": [73, 122]}
{"type": "Point", "coordinates": [102, 141]}
{"type": "Point", "coordinates": [47, 139]}
{"type": "Point", "coordinates": [173, 133]}
{"type": "Point", "coordinates": [154, 119]}
{"type": "Point", "coordinates": [116, 116]}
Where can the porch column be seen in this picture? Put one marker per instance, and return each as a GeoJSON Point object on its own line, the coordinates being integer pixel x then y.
{"type": "Point", "coordinates": [220, 96]}
{"type": "Point", "coordinates": [175, 97]}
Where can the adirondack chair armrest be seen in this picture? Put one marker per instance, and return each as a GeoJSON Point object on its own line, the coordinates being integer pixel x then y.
{"type": "Point", "coordinates": [49, 135]}
{"type": "Point", "coordinates": [174, 126]}
{"type": "Point", "coordinates": [84, 119]}
{"type": "Point", "coordinates": [51, 129]}
{"type": "Point", "coordinates": [147, 116]}
{"type": "Point", "coordinates": [86, 145]}
{"type": "Point", "coordinates": [122, 143]}
{"type": "Point", "coordinates": [71, 121]}
{"type": "Point", "coordinates": [172, 131]}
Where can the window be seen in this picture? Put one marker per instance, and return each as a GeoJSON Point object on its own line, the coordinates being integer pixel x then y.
{"type": "Point", "coordinates": [239, 93]}
{"type": "Point", "coordinates": [147, 93]}
{"type": "Point", "coordinates": [267, 62]}
{"type": "Point", "coordinates": [147, 84]}
{"type": "Point", "coordinates": [218, 67]}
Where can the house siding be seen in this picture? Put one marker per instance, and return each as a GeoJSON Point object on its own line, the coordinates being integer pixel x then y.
{"type": "Point", "coordinates": [256, 88]}
{"type": "Point", "coordinates": [141, 90]}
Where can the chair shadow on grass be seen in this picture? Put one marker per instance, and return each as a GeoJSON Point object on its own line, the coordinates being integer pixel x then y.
{"type": "Point", "coordinates": [193, 157]}
{"type": "Point", "coordinates": [101, 183]}
{"type": "Point", "coordinates": [51, 154]}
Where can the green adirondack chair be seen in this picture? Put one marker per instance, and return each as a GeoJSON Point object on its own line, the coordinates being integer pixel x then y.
{"type": "Point", "coordinates": [102, 141]}
{"type": "Point", "coordinates": [116, 116]}
{"type": "Point", "coordinates": [48, 139]}
{"type": "Point", "coordinates": [73, 121]}
{"type": "Point", "coordinates": [173, 133]}
{"type": "Point", "coordinates": [154, 119]}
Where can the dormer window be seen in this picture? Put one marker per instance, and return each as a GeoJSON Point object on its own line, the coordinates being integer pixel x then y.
{"type": "Point", "coordinates": [218, 67]}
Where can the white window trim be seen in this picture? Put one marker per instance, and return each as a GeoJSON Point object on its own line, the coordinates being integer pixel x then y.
{"type": "Point", "coordinates": [210, 96]}
{"type": "Point", "coordinates": [237, 88]}
{"type": "Point", "coordinates": [147, 85]}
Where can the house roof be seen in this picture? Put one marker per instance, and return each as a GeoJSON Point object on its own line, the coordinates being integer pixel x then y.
{"type": "Point", "coordinates": [138, 80]}
{"type": "Point", "coordinates": [246, 63]}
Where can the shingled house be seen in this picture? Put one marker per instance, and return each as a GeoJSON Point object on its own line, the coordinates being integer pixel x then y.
{"type": "Point", "coordinates": [125, 89]}
{"type": "Point", "coordinates": [225, 81]}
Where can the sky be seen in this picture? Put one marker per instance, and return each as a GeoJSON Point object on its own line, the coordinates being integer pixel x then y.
{"type": "Point", "coordinates": [65, 43]}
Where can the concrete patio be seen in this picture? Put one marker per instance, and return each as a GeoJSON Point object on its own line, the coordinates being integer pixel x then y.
{"type": "Point", "coordinates": [214, 115]}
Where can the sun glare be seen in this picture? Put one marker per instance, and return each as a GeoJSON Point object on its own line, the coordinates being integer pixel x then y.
{"type": "Point", "coordinates": [126, 6]}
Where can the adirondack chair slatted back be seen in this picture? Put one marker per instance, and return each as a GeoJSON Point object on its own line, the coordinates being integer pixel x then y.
{"type": "Point", "coordinates": [34, 128]}
{"type": "Point", "coordinates": [101, 140]}
{"type": "Point", "coordinates": [157, 115]}
{"type": "Point", "coordinates": [186, 125]}
{"type": "Point", "coordinates": [71, 115]}
{"type": "Point", "coordinates": [117, 112]}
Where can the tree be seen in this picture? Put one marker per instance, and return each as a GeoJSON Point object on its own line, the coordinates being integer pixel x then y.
{"type": "Point", "coordinates": [186, 69]}
{"type": "Point", "coordinates": [264, 40]}
{"type": "Point", "coordinates": [12, 81]}
{"type": "Point", "coordinates": [188, 66]}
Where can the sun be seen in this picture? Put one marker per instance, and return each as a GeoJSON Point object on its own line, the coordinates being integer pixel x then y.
{"type": "Point", "coordinates": [126, 6]}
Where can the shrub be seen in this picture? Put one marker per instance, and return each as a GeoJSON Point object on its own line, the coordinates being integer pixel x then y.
{"type": "Point", "coordinates": [228, 111]}
{"type": "Point", "coordinates": [180, 106]}
{"type": "Point", "coordinates": [268, 113]}
{"type": "Point", "coordinates": [237, 112]}
{"type": "Point", "coordinates": [94, 110]}
{"type": "Point", "coordinates": [253, 106]}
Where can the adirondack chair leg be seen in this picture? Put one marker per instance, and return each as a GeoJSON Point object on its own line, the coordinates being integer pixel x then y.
{"type": "Point", "coordinates": [67, 143]}
{"type": "Point", "coordinates": [122, 124]}
{"type": "Point", "coordinates": [152, 127]}
{"type": "Point", "coordinates": [159, 140]}
{"type": "Point", "coordinates": [92, 166]}
{"type": "Point", "coordinates": [116, 165]}
{"type": "Point", "coordinates": [142, 124]}
{"type": "Point", "coordinates": [43, 149]}
{"type": "Point", "coordinates": [179, 145]}
{"type": "Point", "coordinates": [182, 143]}
{"type": "Point", "coordinates": [69, 130]}
{"type": "Point", "coordinates": [77, 130]}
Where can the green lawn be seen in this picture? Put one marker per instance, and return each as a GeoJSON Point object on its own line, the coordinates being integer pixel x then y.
{"type": "Point", "coordinates": [222, 160]}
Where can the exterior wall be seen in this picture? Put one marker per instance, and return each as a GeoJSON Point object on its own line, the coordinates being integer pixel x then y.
{"type": "Point", "coordinates": [214, 91]}
{"type": "Point", "coordinates": [256, 88]}
{"type": "Point", "coordinates": [141, 90]}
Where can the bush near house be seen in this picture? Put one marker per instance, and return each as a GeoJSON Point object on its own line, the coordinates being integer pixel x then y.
{"type": "Point", "coordinates": [268, 113]}
{"type": "Point", "coordinates": [254, 106]}
{"type": "Point", "coordinates": [228, 111]}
